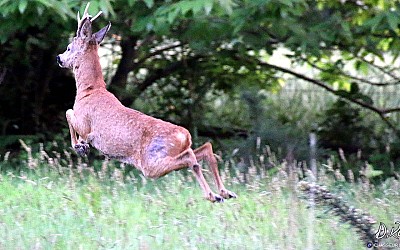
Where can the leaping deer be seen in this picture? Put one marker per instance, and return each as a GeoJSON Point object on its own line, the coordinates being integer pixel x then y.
{"type": "Point", "coordinates": [153, 146]}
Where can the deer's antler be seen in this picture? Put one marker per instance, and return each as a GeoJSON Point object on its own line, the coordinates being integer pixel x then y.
{"type": "Point", "coordinates": [87, 15]}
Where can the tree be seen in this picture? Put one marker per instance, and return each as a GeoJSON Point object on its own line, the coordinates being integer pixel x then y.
{"type": "Point", "coordinates": [200, 46]}
{"type": "Point", "coordinates": [328, 36]}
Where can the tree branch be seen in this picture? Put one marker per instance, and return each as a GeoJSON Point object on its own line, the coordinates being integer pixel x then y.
{"type": "Point", "coordinates": [382, 69]}
{"type": "Point", "coordinates": [381, 112]}
{"type": "Point", "coordinates": [160, 73]}
{"type": "Point", "coordinates": [157, 52]}
{"type": "Point", "coordinates": [127, 62]}
{"type": "Point", "coordinates": [362, 80]}
{"type": "Point", "coordinates": [390, 110]}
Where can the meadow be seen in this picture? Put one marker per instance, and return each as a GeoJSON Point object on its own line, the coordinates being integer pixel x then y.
{"type": "Point", "coordinates": [65, 203]}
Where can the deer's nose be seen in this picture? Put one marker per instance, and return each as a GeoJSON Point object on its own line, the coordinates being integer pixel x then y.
{"type": "Point", "coordinates": [59, 60]}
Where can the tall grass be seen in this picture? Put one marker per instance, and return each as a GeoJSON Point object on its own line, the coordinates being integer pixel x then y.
{"type": "Point", "coordinates": [60, 203]}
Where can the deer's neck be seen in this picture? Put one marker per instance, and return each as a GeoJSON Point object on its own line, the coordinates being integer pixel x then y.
{"type": "Point", "coordinates": [88, 74]}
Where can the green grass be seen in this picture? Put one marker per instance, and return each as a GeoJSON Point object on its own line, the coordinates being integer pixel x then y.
{"type": "Point", "coordinates": [60, 208]}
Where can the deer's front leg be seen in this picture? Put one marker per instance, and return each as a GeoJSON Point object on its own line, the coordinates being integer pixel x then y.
{"type": "Point", "coordinates": [81, 147]}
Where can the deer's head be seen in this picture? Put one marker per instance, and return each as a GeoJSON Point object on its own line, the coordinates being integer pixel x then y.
{"type": "Point", "coordinates": [83, 41]}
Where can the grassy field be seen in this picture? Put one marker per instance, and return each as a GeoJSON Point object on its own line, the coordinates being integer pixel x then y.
{"type": "Point", "coordinates": [46, 205]}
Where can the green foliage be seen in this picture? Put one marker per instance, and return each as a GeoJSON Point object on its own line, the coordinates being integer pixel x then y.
{"type": "Point", "coordinates": [200, 52]}
{"type": "Point", "coordinates": [18, 16]}
{"type": "Point", "coordinates": [343, 127]}
{"type": "Point", "coordinates": [345, 130]}
{"type": "Point", "coordinates": [13, 140]}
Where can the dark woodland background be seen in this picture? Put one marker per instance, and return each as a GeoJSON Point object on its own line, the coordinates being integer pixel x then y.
{"type": "Point", "coordinates": [237, 73]}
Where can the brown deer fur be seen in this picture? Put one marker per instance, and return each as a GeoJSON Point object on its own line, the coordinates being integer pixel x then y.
{"type": "Point", "coordinates": [153, 146]}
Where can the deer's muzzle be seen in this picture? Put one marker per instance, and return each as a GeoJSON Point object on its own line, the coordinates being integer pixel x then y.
{"type": "Point", "coordinates": [59, 61]}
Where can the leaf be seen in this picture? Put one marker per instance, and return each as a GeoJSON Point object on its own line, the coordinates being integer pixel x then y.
{"type": "Point", "coordinates": [370, 172]}
{"type": "Point", "coordinates": [373, 23]}
{"type": "Point", "coordinates": [197, 6]}
{"type": "Point", "coordinates": [393, 20]}
{"type": "Point", "coordinates": [208, 5]}
{"type": "Point", "coordinates": [62, 10]}
{"type": "Point", "coordinates": [131, 2]}
{"type": "Point", "coordinates": [184, 6]}
{"type": "Point", "coordinates": [143, 24]}
{"type": "Point", "coordinates": [94, 8]}
{"type": "Point", "coordinates": [227, 5]}
{"type": "Point", "coordinates": [161, 26]}
{"type": "Point", "coordinates": [288, 3]}
{"type": "Point", "coordinates": [22, 6]}
{"type": "Point", "coordinates": [149, 3]}
{"type": "Point", "coordinates": [361, 66]}
{"type": "Point", "coordinates": [44, 2]}
{"type": "Point", "coordinates": [172, 15]}
{"type": "Point", "coordinates": [354, 88]}
{"type": "Point", "coordinates": [106, 7]}
{"type": "Point", "coordinates": [346, 30]}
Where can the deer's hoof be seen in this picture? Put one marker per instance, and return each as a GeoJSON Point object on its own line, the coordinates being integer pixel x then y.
{"type": "Point", "coordinates": [82, 148]}
{"type": "Point", "coordinates": [227, 194]}
{"type": "Point", "coordinates": [215, 198]}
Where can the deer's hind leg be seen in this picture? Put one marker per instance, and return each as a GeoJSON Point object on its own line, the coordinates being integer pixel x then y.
{"type": "Point", "coordinates": [80, 146]}
{"type": "Point", "coordinates": [185, 159]}
{"type": "Point", "coordinates": [206, 154]}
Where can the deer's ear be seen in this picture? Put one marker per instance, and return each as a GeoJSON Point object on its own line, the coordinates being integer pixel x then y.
{"type": "Point", "coordinates": [85, 29]}
{"type": "Point", "coordinates": [99, 35]}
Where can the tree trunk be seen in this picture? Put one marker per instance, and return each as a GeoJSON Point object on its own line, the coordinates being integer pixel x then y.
{"type": "Point", "coordinates": [126, 64]}
{"type": "Point", "coordinates": [44, 73]}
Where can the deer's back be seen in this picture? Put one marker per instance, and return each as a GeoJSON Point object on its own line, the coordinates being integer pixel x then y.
{"type": "Point", "coordinates": [121, 132]}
